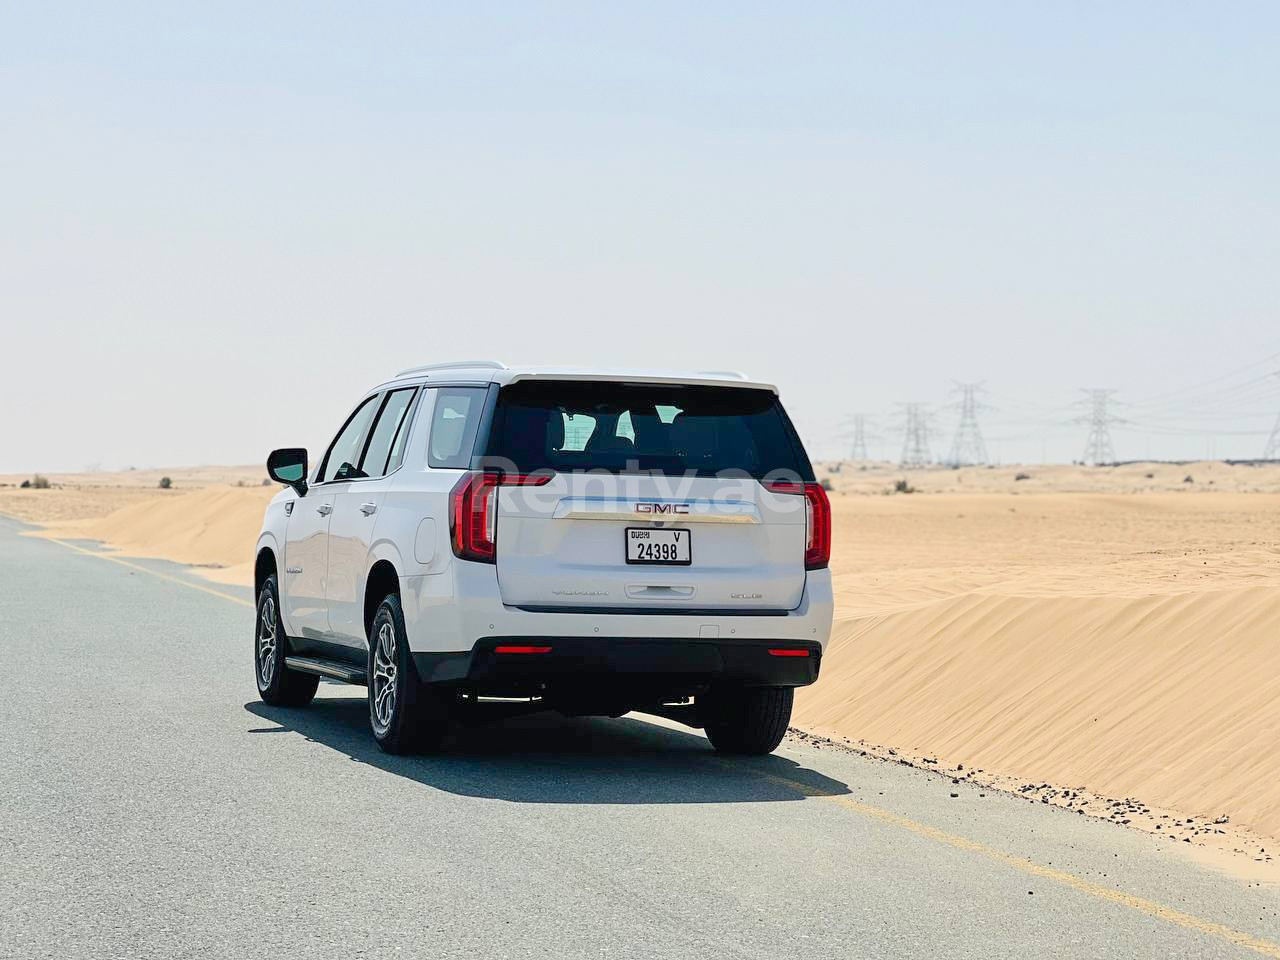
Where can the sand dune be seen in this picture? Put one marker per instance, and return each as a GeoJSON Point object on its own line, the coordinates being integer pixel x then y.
{"type": "Point", "coordinates": [1126, 644]}
{"type": "Point", "coordinates": [1174, 699]}
{"type": "Point", "coordinates": [81, 496]}
{"type": "Point", "coordinates": [214, 529]}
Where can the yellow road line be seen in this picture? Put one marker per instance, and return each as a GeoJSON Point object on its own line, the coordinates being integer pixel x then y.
{"type": "Point", "coordinates": [1149, 907]}
{"type": "Point", "coordinates": [1141, 904]}
{"type": "Point", "coordinates": [153, 573]}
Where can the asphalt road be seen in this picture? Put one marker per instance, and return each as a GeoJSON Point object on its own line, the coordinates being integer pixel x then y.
{"type": "Point", "coordinates": [150, 806]}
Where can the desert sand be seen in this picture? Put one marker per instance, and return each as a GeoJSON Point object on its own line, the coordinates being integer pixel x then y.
{"type": "Point", "coordinates": [1128, 645]}
{"type": "Point", "coordinates": [209, 518]}
{"type": "Point", "coordinates": [1113, 631]}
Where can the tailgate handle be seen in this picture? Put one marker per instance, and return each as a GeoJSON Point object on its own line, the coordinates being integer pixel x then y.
{"type": "Point", "coordinates": [640, 591]}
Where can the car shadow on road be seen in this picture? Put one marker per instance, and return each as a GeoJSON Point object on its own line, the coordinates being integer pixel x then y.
{"type": "Point", "coordinates": [547, 758]}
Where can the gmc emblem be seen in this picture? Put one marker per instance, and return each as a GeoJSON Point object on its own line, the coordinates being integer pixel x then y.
{"type": "Point", "coordinates": [672, 508]}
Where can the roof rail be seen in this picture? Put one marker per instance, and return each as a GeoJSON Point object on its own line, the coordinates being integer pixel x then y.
{"type": "Point", "coordinates": [730, 374]}
{"type": "Point", "coordinates": [455, 365]}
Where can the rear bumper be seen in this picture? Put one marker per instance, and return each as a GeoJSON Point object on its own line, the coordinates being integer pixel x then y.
{"type": "Point", "coordinates": [452, 612]}
{"type": "Point", "coordinates": [679, 664]}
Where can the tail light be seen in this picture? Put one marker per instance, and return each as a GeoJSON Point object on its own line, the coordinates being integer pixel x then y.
{"type": "Point", "coordinates": [473, 517]}
{"type": "Point", "coordinates": [817, 516]}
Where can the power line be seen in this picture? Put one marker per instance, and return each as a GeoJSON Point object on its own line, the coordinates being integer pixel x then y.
{"type": "Point", "coordinates": [1194, 388]}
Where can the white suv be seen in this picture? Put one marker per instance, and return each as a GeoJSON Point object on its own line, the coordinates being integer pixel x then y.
{"type": "Point", "coordinates": [484, 539]}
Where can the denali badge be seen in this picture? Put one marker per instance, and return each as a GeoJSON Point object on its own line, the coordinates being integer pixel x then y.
{"type": "Point", "coordinates": [677, 508]}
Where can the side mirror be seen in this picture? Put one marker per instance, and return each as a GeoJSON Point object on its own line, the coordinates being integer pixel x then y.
{"type": "Point", "coordinates": [289, 466]}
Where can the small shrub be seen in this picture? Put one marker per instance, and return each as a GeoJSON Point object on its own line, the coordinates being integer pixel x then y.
{"type": "Point", "coordinates": [825, 483]}
{"type": "Point", "coordinates": [40, 483]}
{"type": "Point", "coordinates": [266, 481]}
{"type": "Point", "coordinates": [1022, 476]}
{"type": "Point", "coordinates": [25, 485]}
{"type": "Point", "coordinates": [1150, 476]}
{"type": "Point", "coordinates": [1188, 479]}
{"type": "Point", "coordinates": [165, 483]}
{"type": "Point", "coordinates": [902, 486]}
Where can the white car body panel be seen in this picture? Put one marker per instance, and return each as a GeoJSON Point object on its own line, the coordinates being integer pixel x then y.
{"type": "Point", "coordinates": [305, 568]}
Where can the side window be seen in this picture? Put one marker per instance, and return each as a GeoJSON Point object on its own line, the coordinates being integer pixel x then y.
{"type": "Point", "coordinates": [396, 456]}
{"type": "Point", "coordinates": [454, 421]}
{"type": "Point", "coordinates": [344, 453]}
{"type": "Point", "coordinates": [390, 424]}
{"type": "Point", "coordinates": [625, 427]}
{"type": "Point", "coordinates": [578, 430]}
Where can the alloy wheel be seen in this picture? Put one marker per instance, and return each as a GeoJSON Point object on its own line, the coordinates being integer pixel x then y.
{"type": "Point", "coordinates": [384, 676]}
{"type": "Point", "coordinates": [267, 641]}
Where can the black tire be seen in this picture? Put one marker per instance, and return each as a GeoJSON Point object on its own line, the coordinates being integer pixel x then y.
{"type": "Point", "coordinates": [410, 718]}
{"type": "Point", "coordinates": [750, 720]}
{"type": "Point", "coordinates": [277, 684]}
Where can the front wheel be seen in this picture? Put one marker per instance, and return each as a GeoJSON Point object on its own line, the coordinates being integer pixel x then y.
{"type": "Point", "coordinates": [750, 720]}
{"type": "Point", "coordinates": [277, 684]}
{"type": "Point", "coordinates": [404, 714]}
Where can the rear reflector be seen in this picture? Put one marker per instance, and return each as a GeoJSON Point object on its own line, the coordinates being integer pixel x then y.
{"type": "Point", "coordinates": [519, 649]}
{"type": "Point", "coordinates": [786, 652]}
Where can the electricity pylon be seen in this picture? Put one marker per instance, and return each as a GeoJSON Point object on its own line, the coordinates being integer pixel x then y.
{"type": "Point", "coordinates": [1098, 448]}
{"type": "Point", "coordinates": [915, 436]}
{"type": "Point", "coordinates": [1272, 450]}
{"type": "Point", "coordinates": [858, 448]}
{"type": "Point", "coordinates": [967, 448]}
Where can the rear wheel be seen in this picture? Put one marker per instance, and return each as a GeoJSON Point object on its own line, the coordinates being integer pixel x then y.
{"type": "Point", "coordinates": [277, 684]}
{"type": "Point", "coordinates": [751, 720]}
{"type": "Point", "coordinates": [404, 714]}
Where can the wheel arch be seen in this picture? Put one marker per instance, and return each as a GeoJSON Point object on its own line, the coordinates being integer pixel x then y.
{"type": "Point", "coordinates": [383, 579]}
{"type": "Point", "coordinates": [266, 562]}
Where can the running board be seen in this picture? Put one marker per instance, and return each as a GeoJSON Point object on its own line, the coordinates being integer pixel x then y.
{"type": "Point", "coordinates": [334, 669]}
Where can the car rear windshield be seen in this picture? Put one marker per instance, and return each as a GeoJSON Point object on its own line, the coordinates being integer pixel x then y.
{"type": "Point", "coordinates": [566, 425]}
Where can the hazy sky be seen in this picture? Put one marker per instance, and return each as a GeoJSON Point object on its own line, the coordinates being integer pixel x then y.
{"type": "Point", "coordinates": [220, 223]}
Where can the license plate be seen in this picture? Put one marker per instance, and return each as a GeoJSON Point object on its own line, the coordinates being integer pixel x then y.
{"type": "Point", "coordinates": [646, 545]}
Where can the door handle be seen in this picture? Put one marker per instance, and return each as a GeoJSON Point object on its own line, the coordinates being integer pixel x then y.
{"type": "Point", "coordinates": [368, 508]}
{"type": "Point", "coordinates": [324, 509]}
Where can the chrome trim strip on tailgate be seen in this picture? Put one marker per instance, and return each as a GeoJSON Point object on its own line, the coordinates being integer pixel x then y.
{"type": "Point", "coordinates": [664, 511]}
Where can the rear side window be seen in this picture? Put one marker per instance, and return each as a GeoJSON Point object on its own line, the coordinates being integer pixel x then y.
{"type": "Point", "coordinates": [619, 427]}
{"type": "Point", "coordinates": [454, 420]}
